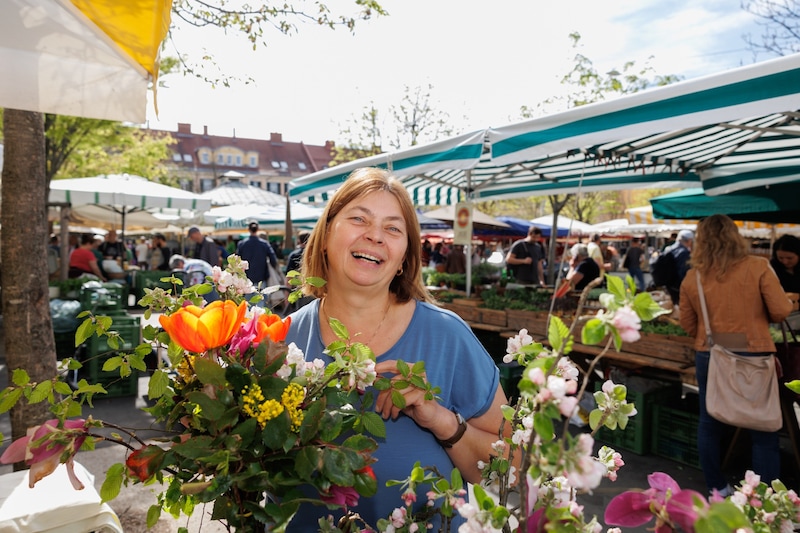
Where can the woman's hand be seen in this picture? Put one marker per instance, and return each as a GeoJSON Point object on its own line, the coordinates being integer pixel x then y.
{"type": "Point", "coordinates": [428, 414]}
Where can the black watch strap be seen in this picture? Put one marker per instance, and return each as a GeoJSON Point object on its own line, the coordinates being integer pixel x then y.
{"type": "Point", "coordinates": [462, 428]}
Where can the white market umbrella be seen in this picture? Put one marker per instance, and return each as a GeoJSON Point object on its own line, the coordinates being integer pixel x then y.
{"type": "Point", "coordinates": [80, 58]}
{"type": "Point", "coordinates": [574, 227]}
{"type": "Point", "coordinates": [124, 193]}
{"type": "Point", "coordinates": [479, 218]}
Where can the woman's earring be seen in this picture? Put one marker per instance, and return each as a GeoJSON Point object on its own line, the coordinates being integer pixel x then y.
{"type": "Point", "coordinates": [400, 271]}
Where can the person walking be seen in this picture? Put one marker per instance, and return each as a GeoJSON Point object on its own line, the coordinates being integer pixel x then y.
{"type": "Point", "coordinates": [743, 296]}
{"type": "Point", "coordinates": [526, 258]}
{"type": "Point", "coordinates": [257, 252]}
{"type": "Point", "coordinates": [633, 262]}
{"type": "Point", "coordinates": [204, 247]}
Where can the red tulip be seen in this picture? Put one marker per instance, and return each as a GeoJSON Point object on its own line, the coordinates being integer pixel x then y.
{"type": "Point", "coordinates": [145, 462]}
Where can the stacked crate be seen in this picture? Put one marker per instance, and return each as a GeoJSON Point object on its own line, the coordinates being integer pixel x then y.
{"type": "Point", "coordinates": [108, 299]}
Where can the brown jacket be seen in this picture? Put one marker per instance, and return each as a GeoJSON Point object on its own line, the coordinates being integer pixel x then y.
{"type": "Point", "coordinates": [746, 301]}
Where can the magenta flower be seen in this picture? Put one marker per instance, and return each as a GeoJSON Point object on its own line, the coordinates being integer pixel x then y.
{"type": "Point", "coordinates": [243, 339]}
{"type": "Point", "coordinates": [45, 446]}
{"type": "Point", "coordinates": [664, 500]}
{"type": "Point", "coordinates": [342, 496]}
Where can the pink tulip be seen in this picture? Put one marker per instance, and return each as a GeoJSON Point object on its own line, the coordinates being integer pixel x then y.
{"type": "Point", "coordinates": [342, 496]}
{"type": "Point", "coordinates": [45, 446]}
{"type": "Point", "coordinates": [664, 500]}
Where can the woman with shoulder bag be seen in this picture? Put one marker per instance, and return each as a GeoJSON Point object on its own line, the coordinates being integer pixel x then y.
{"type": "Point", "coordinates": [743, 296]}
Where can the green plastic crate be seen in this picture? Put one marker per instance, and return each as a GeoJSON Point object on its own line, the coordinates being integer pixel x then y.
{"type": "Point", "coordinates": [510, 374]}
{"type": "Point", "coordinates": [116, 386]}
{"type": "Point", "coordinates": [637, 434]}
{"type": "Point", "coordinates": [131, 334]}
{"type": "Point", "coordinates": [674, 433]}
{"type": "Point", "coordinates": [149, 279]}
{"type": "Point", "coordinates": [103, 298]}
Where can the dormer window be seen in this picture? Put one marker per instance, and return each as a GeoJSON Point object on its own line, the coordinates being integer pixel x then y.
{"type": "Point", "coordinates": [301, 165]}
{"type": "Point", "coordinates": [276, 165]}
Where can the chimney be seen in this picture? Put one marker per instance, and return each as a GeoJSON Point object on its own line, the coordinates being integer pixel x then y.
{"type": "Point", "coordinates": [184, 128]}
{"type": "Point", "coordinates": [276, 137]}
{"type": "Point", "coordinates": [205, 131]}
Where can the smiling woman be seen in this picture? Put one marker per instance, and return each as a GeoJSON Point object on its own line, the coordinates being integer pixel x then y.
{"type": "Point", "coordinates": [367, 246]}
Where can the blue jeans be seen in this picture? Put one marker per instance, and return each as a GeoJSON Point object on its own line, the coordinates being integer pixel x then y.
{"type": "Point", "coordinates": [638, 275]}
{"type": "Point", "coordinates": [766, 457]}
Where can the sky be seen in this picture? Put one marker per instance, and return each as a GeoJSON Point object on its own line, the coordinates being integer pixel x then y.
{"type": "Point", "coordinates": [484, 60]}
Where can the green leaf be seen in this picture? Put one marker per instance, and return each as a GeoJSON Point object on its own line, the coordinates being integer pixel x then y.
{"type": "Point", "coordinates": [794, 385]}
{"type": "Point", "coordinates": [307, 462]}
{"type": "Point", "coordinates": [456, 481]}
{"type": "Point", "coordinates": [9, 398]}
{"type": "Point", "coordinates": [647, 308]}
{"type": "Point", "coordinates": [374, 424]}
{"type": "Point", "coordinates": [616, 287]}
{"type": "Point", "coordinates": [277, 431]}
{"type": "Point", "coordinates": [398, 399]}
{"type": "Point", "coordinates": [20, 377]}
{"type": "Point", "coordinates": [594, 331]}
{"type": "Point", "coordinates": [112, 483]}
{"type": "Point", "coordinates": [209, 372]}
{"type": "Point", "coordinates": [403, 368]}
{"type": "Point", "coordinates": [337, 467]}
{"type": "Point", "coordinates": [85, 330]}
{"type": "Point", "coordinates": [543, 426]}
{"type": "Point", "coordinates": [594, 418]}
{"type": "Point", "coordinates": [153, 515]}
{"type": "Point", "coordinates": [209, 409]}
{"type": "Point", "coordinates": [339, 329]}
{"type": "Point", "coordinates": [41, 392]}
{"type": "Point", "coordinates": [112, 363]}
{"type": "Point", "coordinates": [157, 384]}
{"type": "Point", "coordinates": [312, 421]}
{"type": "Point", "coordinates": [419, 367]}
{"type": "Point", "coordinates": [62, 388]}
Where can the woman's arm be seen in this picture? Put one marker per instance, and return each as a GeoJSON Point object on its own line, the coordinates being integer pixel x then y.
{"type": "Point", "coordinates": [96, 270]}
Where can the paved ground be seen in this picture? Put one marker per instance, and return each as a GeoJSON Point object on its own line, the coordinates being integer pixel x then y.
{"type": "Point", "coordinates": [132, 504]}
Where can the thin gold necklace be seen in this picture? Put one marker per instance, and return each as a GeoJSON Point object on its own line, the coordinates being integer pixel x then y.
{"type": "Point", "coordinates": [367, 342]}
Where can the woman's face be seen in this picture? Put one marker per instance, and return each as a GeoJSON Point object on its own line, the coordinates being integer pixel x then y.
{"type": "Point", "coordinates": [787, 259]}
{"type": "Point", "coordinates": [367, 241]}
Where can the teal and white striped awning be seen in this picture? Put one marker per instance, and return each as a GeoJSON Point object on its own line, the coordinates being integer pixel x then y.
{"type": "Point", "coordinates": [724, 132]}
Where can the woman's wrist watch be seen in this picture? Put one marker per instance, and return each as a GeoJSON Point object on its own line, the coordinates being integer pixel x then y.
{"type": "Point", "coordinates": [462, 428]}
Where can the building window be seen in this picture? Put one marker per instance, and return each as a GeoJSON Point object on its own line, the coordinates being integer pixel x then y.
{"type": "Point", "coordinates": [255, 184]}
{"type": "Point", "coordinates": [230, 159]}
{"type": "Point", "coordinates": [301, 165]}
{"type": "Point", "coordinates": [176, 157]}
{"type": "Point", "coordinates": [275, 164]}
{"type": "Point", "coordinates": [206, 184]}
{"type": "Point", "coordinates": [238, 160]}
{"type": "Point", "coordinates": [253, 161]}
{"type": "Point", "coordinates": [204, 158]}
{"type": "Point", "coordinates": [187, 158]}
{"type": "Point", "coordinates": [284, 165]}
{"type": "Point", "coordinates": [274, 187]}
{"type": "Point", "coordinates": [220, 159]}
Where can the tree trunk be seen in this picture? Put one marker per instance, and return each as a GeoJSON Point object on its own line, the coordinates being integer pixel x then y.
{"type": "Point", "coordinates": [27, 329]}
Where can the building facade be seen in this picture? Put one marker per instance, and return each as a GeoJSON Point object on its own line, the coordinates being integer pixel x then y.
{"type": "Point", "coordinates": [200, 160]}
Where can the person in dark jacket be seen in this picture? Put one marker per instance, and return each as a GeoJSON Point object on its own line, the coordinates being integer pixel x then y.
{"type": "Point", "coordinates": [204, 247]}
{"type": "Point", "coordinates": [256, 251]}
{"type": "Point", "coordinates": [785, 256]}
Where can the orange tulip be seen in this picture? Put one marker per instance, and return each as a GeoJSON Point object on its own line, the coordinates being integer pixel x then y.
{"type": "Point", "coordinates": [273, 327]}
{"type": "Point", "coordinates": [199, 329]}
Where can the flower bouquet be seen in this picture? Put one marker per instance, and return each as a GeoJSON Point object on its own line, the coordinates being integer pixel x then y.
{"type": "Point", "coordinates": [249, 424]}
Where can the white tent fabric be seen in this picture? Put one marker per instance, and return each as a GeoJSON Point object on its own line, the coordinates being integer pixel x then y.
{"type": "Point", "coordinates": [303, 215]}
{"type": "Point", "coordinates": [479, 218]}
{"type": "Point", "coordinates": [726, 131]}
{"type": "Point", "coordinates": [234, 192]}
{"type": "Point", "coordinates": [55, 59]}
{"type": "Point", "coordinates": [575, 227]}
{"type": "Point", "coordinates": [123, 190]}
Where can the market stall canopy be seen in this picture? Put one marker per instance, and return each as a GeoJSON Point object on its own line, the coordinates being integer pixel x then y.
{"type": "Point", "coordinates": [479, 219]}
{"type": "Point", "coordinates": [232, 191]}
{"type": "Point", "coordinates": [570, 225]}
{"type": "Point", "coordinates": [773, 204]}
{"type": "Point", "coordinates": [124, 193]}
{"type": "Point", "coordinates": [88, 58]}
{"type": "Point", "coordinates": [108, 217]}
{"type": "Point", "coordinates": [303, 216]}
{"type": "Point", "coordinates": [724, 132]}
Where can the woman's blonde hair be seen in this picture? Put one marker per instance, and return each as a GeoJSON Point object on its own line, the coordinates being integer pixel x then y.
{"type": "Point", "coordinates": [717, 246]}
{"type": "Point", "coordinates": [363, 181]}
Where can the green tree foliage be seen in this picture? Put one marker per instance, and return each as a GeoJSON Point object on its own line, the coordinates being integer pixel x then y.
{"type": "Point", "coordinates": [77, 147]}
{"type": "Point", "coordinates": [413, 120]}
{"type": "Point", "coordinates": [780, 23]}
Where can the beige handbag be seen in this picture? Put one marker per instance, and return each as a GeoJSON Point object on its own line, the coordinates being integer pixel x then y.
{"type": "Point", "coordinates": [742, 391]}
